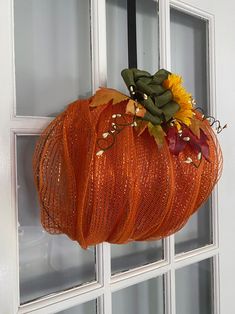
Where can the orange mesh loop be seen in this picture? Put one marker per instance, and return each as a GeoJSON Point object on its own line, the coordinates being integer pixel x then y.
{"type": "Point", "coordinates": [134, 191]}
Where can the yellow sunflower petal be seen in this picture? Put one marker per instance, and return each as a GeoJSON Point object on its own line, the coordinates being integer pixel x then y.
{"type": "Point", "coordinates": [181, 97]}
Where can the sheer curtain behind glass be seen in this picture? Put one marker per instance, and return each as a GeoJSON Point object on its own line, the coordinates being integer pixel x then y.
{"type": "Point", "coordinates": [194, 288]}
{"type": "Point", "coordinates": [144, 298]}
{"type": "Point", "coordinates": [85, 308]}
{"type": "Point", "coordinates": [52, 55]}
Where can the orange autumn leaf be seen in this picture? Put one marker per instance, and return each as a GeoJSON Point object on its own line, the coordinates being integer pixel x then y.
{"type": "Point", "coordinates": [157, 132]}
{"type": "Point", "coordinates": [105, 95]}
{"type": "Point", "coordinates": [142, 126]}
{"type": "Point", "coordinates": [135, 108]}
{"type": "Point", "coordinates": [195, 126]}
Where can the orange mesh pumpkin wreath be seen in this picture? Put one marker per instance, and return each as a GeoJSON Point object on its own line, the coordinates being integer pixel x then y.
{"type": "Point", "coordinates": [109, 169]}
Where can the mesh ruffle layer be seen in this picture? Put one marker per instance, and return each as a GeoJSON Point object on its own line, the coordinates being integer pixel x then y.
{"type": "Point", "coordinates": [134, 191]}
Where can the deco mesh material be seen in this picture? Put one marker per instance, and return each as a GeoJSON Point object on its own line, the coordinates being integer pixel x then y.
{"type": "Point", "coordinates": [133, 192]}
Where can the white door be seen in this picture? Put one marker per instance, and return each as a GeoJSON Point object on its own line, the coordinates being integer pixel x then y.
{"type": "Point", "coordinates": [51, 53]}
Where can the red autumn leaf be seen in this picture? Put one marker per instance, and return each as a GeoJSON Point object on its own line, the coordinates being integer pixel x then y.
{"type": "Point", "coordinates": [204, 145]}
{"type": "Point", "coordinates": [177, 143]}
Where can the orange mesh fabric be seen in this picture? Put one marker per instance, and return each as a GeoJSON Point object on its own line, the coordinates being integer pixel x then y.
{"type": "Point", "coordinates": [134, 191]}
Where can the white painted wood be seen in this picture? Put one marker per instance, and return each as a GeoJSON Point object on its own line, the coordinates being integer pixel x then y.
{"type": "Point", "coordinates": [216, 284]}
{"type": "Point", "coordinates": [60, 302]}
{"type": "Point", "coordinates": [98, 42]}
{"type": "Point", "coordinates": [63, 300]}
{"type": "Point", "coordinates": [188, 8]}
{"type": "Point", "coordinates": [167, 295]}
{"type": "Point", "coordinates": [165, 62]}
{"type": "Point", "coordinates": [222, 67]}
{"type": "Point", "coordinates": [144, 270]}
{"type": "Point", "coordinates": [106, 304]}
{"type": "Point", "coordinates": [99, 78]}
{"type": "Point", "coordinates": [138, 275]}
{"type": "Point", "coordinates": [195, 256]}
{"type": "Point", "coordinates": [29, 124]}
{"type": "Point", "coordinates": [133, 276]}
{"type": "Point", "coordinates": [164, 34]}
{"type": "Point", "coordinates": [8, 244]}
{"type": "Point", "coordinates": [170, 291]}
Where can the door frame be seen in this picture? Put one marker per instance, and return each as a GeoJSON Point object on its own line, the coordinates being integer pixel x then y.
{"type": "Point", "coordinates": [13, 126]}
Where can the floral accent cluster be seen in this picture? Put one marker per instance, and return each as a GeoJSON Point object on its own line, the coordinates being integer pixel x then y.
{"type": "Point", "coordinates": [163, 96]}
{"type": "Point", "coordinates": [161, 104]}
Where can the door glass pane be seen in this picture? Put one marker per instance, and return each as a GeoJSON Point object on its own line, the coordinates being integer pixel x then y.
{"type": "Point", "coordinates": [194, 288]}
{"type": "Point", "coordinates": [189, 58]}
{"type": "Point", "coordinates": [189, 53]}
{"type": "Point", "coordinates": [197, 232]}
{"type": "Point", "coordinates": [146, 297]}
{"type": "Point", "coordinates": [48, 263]}
{"type": "Point", "coordinates": [52, 54]}
{"type": "Point", "coordinates": [117, 42]}
{"type": "Point", "coordinates": [135, 254]}
{"type": "Point", "coordinates": [85, 308]}
{"type": "Point", "coordinates": [147, 33]}
{"type": "Point", "coordinates": [117, 39]}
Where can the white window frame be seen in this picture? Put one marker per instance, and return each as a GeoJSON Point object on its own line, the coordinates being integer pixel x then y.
{"type": "Point", "coordinates": [106, 284]}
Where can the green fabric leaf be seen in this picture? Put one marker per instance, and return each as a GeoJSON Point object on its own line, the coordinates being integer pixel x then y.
{"type": "Point", "coordinates": [149, 88]}
{"type": "Point", "coordinates": [128, 77]}
{"type": "Point", "coordinates": [163, 99]}
{"type": "Point", "coordinates": [157, 88]}
{"type": "Point", "coordinates": [157, 132]}
{"type": "Point", "coordinates": [139, 73]}
{"type": "Point", "coordinates": [143, 87]}
{"type": "Point", "coordinates": [146, 80]}
{"type": "Point", "coordinates": [151, 107]}
{"type": "Point", "coordinates": [160, 76]}
{"type": "Point", "coordinates": [170, 109]}
{"type": "Point", "coordinates": [151, 118]}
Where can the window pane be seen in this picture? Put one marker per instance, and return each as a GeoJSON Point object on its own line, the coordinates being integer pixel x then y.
{"type": "Point", "coordinates": [197, 232]}
{"type": "Point", "coordinates": [147, 33]}
{"type": "Point", "coordinates": [52, 55]}
{"type": "Point", "coordinates": [48, 263]}
{"type": "Point", "coordinates": [194, 290]}
{"type": "Point", "coordinates": [85, 308]}
{"type": "Point", "coordinates": [135, 254]}
{"type": "Point", "coordinates": [117, 39]}
{"type": "Point", "coordinates": [189, 57]}
{"type": "Point", "coordinates": [146, 297]}
{"type": "Point", "coordinates": [117, 42]}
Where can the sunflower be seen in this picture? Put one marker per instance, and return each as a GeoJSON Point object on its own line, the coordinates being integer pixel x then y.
{"type": "Point", "coordinates": [182, 98]}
